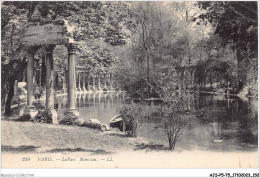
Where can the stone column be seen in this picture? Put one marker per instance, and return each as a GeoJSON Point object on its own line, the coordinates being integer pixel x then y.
{"type": "Point", "coordinates": [84, 80]}
{"type": "Point", "coordinates": [192, 78]}
{"type": "Point", "coordinates": [94, 87]}
{"type": "Point", "coordinates": [72, 80]}
{"type": "Point", "coordinates": [79, 87]}
{"type": "Point", "coordinates": [99, 88]}
{"type": "Point", "coordinates": [43, 73]}
{"type": "Point", "coordinates": [50, 79]}
{"type": "Point", "coordinates": [30, 109]}
{"type": "Point", "coordinates": [64, 84]}
{"type": "Point", "coordinates": [88, 83]}
{"type": "Point", "coordinates": [15, 98]}
{"type": "Point", "coordinates": [16, 88]}
{"type": "Point", "coordinates": [40, 78]}
{"type": "Point", "coordinates": [30, 70]}
{"type": "Point", "coordinates": [23, 76]}
{"type": "Point", "coordinates": [111, 86]}
{"type": "Point", "coordinates": [183, 79]}
{"type": "Point", "coordinates": [105, 81]}
{"type": "Point", "coordinates": [38, 73]}
{"type": "Point", "coordinates": [67, 79]}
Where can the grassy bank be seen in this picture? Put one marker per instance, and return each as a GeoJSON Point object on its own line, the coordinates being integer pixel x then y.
{"type": "Point", "coordinates": [38, 141]}
{"type": "Point", "coordinates": [35, 137]}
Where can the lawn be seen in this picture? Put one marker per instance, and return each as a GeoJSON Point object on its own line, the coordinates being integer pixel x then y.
{"type": "Point", "coordinates": [36, 137]}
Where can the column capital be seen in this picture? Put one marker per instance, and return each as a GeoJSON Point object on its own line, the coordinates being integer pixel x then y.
{"type": "Point", "coordinates": [72, 47]}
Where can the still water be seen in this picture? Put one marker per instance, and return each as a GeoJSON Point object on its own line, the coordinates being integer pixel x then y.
{"type": "Point", "coordinates": [229, 123]}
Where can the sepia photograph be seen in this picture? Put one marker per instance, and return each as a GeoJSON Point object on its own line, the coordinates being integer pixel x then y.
{"type": "Point", "coordinates": [129, 84]}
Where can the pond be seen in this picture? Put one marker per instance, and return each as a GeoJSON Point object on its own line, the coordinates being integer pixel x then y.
{"type": "Point", "coordinates": [229, 123]}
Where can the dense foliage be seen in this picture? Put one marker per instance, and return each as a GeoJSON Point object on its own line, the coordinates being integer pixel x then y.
{"type": "Point", "coordinates": [136, 41]}
{"type": "Point", "coordinates": [236, 24]}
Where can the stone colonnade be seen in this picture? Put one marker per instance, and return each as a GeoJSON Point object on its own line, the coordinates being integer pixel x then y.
{"type": "Point", "coordinates": [49, 104]}
{"type": "Point", "coordinates": [94, 82]}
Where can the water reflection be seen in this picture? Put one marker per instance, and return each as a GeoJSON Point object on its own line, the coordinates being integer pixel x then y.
{"type": "Point", "coordinates": [229, 123]}
{"type": "Point", "coordinates": [102, 106]}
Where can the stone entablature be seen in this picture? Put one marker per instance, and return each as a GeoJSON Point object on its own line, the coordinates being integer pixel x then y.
{"type": "Point", "coordinates": [48, 33]}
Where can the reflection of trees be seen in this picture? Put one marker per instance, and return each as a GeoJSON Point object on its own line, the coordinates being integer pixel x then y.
{"type": "Point", "coordinates": [229, 119]}
{"type": "Point", "coordinates": [245, 126]}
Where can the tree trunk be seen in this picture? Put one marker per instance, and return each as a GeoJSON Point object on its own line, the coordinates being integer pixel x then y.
{"type": "Point", "coordinates": [8, 110]}
{"type": "Point", "coordinates": [171, 142]}
{"type": "Point", "coordinates": [12, 76]}
{"type": "Point", "coordinates": [148, 72]}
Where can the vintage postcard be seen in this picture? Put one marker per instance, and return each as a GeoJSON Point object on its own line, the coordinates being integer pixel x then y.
{"type": "Point", "coordinates": [142, 84]}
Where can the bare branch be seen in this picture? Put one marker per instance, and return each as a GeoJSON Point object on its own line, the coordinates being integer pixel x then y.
{"type": "Point", "coordinates": [255, 12]}
{"type": "Point", "coordinates": [248, 18]}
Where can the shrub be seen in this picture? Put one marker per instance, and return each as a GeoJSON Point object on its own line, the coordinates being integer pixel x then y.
{"type": "Point", "coordinates": [43, 117]}
{"type": "Point", "coordinates": [175, 113]}
{"type": "Point", "coordinates": [69, 119]}
{"type": "Point", "coordinates": [131, 114]}
{"type": "Point", "coordinates": [24, 118]}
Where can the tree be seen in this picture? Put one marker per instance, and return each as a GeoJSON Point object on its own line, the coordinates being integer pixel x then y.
{"type": "Point", "coordinates": [156, 43]}
{"type": "Point", "coordinates": [175, 111]}
{"type": "Point", "coordinates": [13, 61]}
{"type": "Point", "coordinates": [175, 115]}
{"type": "Point", "coordinates": [93, 20]}
{"type": "Point", "coordinates": [217, 63]}
{"type": "Point", "coordinates": [236, 24]}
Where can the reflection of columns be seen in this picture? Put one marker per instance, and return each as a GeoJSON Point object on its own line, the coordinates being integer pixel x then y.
{"type": "Point", "coordinates": [99, 88]}
{"type": "Point", "coordinates": [89, 98]}
{"type": "Point", "coordinates": [94, 99]}
{"type": "Point", "coordinates": [84, 103]}
{"type": "Point", "coordinates": [105, 100]}
{"type": "Point", "coordinates": [84, 80]}
{"type": "Point", "coordinates": [112, 99]}
{"type": "Point", "coordinates": [94, 87]}
{"type": "Point", "coordinates": [99, 99]}
{"type": "Point", "coordinates": [72, 80]}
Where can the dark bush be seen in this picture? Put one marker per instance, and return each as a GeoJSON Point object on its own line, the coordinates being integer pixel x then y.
{"type": "Point", "coordinates": [24, 118]}
{"type": "Point", "coordinates": [39, 105]}
{"type": "Point", "coordinates": [131, 114]}
{"type": "Point", "coordinates": [69, 120]}
{"type": "Point", "coordinates": [43, 117]}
